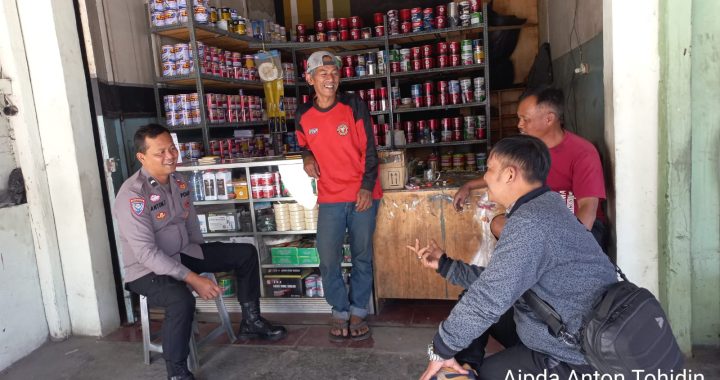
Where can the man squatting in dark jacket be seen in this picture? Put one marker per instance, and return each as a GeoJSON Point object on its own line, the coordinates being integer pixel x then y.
{"type": "Point", "coordinates": [543, 248]}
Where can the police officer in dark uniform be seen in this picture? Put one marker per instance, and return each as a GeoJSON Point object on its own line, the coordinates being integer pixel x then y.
{"type": "Point", "coordinates": [163, 251]}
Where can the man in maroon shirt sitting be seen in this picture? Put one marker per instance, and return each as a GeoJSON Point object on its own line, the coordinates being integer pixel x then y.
{"type": "Point", "coordinates": [335, 132]}
{"type": "Point", "coordinates": [575, 171]}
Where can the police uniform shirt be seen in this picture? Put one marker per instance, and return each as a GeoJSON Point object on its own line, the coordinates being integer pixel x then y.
{"type": "Point", "coordinates": [156, 223]}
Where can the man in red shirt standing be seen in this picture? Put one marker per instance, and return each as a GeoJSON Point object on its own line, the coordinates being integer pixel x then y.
{"type": "Point", "coordinates": [335, 132]}
{"type": "Point", "coordinates": [575, 171]}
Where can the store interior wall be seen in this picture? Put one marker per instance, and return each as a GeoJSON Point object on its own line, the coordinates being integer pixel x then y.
{"type": "Point", "coordinates": [573, 28]}
{"type": "Point", "coordinates": [24, 327]}
{"type": "Point", "coordinates": [705, 172]}
{"type": "Point", "coordinates": [7, 156]}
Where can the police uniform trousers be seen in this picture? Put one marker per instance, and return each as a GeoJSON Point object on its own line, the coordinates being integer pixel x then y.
{"type": "Point", "coordinates": [176, 296]}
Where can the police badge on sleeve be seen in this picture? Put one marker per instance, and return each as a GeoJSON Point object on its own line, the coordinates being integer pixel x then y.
{"type": "Point", "coordinates": [137, 205]}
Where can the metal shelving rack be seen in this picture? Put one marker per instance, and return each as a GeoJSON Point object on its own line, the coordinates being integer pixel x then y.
{"type": "Point", "coordinates": [191, 32]}
{"type": "Point", "coordinates": [268, 304]}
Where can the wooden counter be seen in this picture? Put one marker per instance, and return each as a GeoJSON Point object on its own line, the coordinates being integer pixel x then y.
{"type": "Point", "coordinates": [424, 214]}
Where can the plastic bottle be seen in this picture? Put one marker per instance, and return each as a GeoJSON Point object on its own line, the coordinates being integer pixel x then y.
{"type": "Point", "coordinates": [223, 178]}
{"type": "Point", "coordinates": [209, 184]}
{"type": "Point", "coordinates": [198, 189]}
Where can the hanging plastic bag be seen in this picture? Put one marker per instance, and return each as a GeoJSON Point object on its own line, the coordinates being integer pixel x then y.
{"type": "Point", "coordinates": [484, 214]}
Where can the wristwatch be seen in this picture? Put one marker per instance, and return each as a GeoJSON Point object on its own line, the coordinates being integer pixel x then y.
{"type": "Point", "coordinates": [432, 356]}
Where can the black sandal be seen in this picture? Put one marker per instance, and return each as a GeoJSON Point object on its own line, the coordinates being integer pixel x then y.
{"type": "Point", "coordinates": [360, 326]}
{"type": "Point", "coordinates": [342, 326]}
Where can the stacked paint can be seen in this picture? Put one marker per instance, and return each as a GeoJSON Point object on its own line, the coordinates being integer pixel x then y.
{"type": "Point", "coordinates": [176, 60]}
{"type": "Point", "coordinates": [376, 98]}
{"type": "Point", "coordinates": [265, 185]}
{"type": "Point", "coordinates": [227, 64]}
{"type": "Point", "coordinates": [313, 286]}
{"type": "Point", "coordinates": [182, 109]}
{"type": "Point", "coordinates": [222, 108]}
{"type": "Point", "coordinates": [469, 12]}
{"type": "Point", "coordinates": [169, 12]}
{"type": "Point", "coordinates": [381, 132]}
{"type": "Point", "coordinates": [191, 150]}
{"type": "Point", "coordinates": [334, 29]}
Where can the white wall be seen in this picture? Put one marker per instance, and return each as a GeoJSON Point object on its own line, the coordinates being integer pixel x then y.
{"type": "Point", "coordinates": [7, 157]}
{"type": "Point", "coordinates": [631, 60]}
{"type": "Point", "coordinates": [23, 326]}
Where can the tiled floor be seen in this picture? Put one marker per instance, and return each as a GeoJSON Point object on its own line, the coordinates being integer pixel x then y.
{"type": "Point", "coordinates": [311, 330]}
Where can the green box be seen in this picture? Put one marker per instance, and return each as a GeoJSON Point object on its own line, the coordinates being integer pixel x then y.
{"type": "Point", "coordinates": [308, 255]}
{"type": "Point", "coordinates": [284, 255]}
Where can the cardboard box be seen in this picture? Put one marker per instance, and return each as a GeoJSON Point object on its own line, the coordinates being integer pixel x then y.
{"type": "Point", "coordinates": [284, 255]}
{"type": "Point", "coordinates": [221, 221]}
{"type": "Point", "coordinates": [308, 256]}
{"type": "Point", "coordinates": [285, 285]}
{"type": "Point", "coordinates": [393, 169]}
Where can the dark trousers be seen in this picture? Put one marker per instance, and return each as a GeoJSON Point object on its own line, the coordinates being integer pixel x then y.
{"type": "Point", "coordinates": [520, 361]}
{"type": "Point", "coordinates": [503, 331]}
{"type": "Point", "coordinates": [516, 357]}
{"type": "Point", "coordinates": [177, 299]}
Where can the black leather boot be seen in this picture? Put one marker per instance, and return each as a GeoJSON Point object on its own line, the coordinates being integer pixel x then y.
{"type": "Point", "coordinates": [178, 371]}
{"type": "Point", "coordinates": [253, 326]}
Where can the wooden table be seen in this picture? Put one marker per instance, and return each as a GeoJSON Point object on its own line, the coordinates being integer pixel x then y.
{"type": "Point", "coordinates": [424, 214]}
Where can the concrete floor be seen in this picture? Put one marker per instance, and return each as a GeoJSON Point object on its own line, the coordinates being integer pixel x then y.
{"type": "Point", "coordinates": [396, 351]}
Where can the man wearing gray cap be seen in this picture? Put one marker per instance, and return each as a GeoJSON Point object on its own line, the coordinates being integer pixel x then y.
{"type": "Point", "coordinates": [335, 132]}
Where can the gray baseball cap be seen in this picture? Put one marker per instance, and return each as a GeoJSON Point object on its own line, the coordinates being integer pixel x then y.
{"type": "Point", "coordinates": [322, 58]}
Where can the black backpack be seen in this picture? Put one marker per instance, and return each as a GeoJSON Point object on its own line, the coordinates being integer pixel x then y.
{"type": "Point", "coordinates": [626, 330]}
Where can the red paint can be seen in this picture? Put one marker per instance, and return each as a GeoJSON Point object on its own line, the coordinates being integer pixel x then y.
{"type": "Point", "coordinates": [442, 87]}
{"type": "Point", "coordinates": [343, 23]}
{"type": "Point", "coordinates": [409, 128]}
{"type": "Point", "coordinates": [480, 133]}
{"type": "Point", "coordinates": [319, 26]}
{"type": "Point", "coordinates": [372, 105]}
{"type": "Point", "coordinates": [457, 123]}
{"type": "Point", "coordinates": [433, 123]}
{"type": "Point", "coordinates": [331, 24]}
{"type": "Point", "coordinates": [441, 10]}
{"type": "Point", "coordinates": [457, 135]}
{"type": "Point", "coordinates": [455, 98]}
{"type": "Point", "coordinates": [415, 52]}
{"type": "Point", "coordinates": [405, 27]}
{"type": "Point", "coordinates": [321, 37]}
{"type": "Point", "coordinates": [362, 94]}
{"type": "Point", "coordinates": [442, 48]}
{"type": "Point", "coordinates": [378, 18]}
{"type": "Point", "coordinates": [427, 51]}
{"type": "Point", "coordinates": [455, 60]}
{"type": "Point", "coordinates": [347, 61]}
{"type": "Point", "coordinates": [442, 61]}
{"type": "Point", "coordinates": [429, 100]}
{"type": "Point", "coordinates": [300, 29]}
{"type": "Point", "coordinates": [344, 35]}
{"type": "Point", "coordinates": [421, 126]}
{"type": "Point", "coordinates": [355, 22]}
{"type": "Point", "coordinates": [418, 101]}
{"type": "Point", "coordinates": [417, 64]}
{"type": "Point", "coordinates": [440, 22]}
{"type": "Point", "coordinates": [379, 30]}
{"type": "Point", "coordinates": [394, 67]}
{"type": "Point", "coordinates": [348, 72]}
{"type": "Point", "coordinates": [428, 88]}
{"type": "Point", "coordinates": [305, 99]}
{"type": "Point", "coordinates": [404, 15]}
{"type": "Point", "coordinates": [355, 34]}
{"type": "Point", "coordinates": [428, 63]}
{"type": "Point", "coordinates": [454, 47]}
{"type": "Point", "coordinates": [371, 93]}
{"type": "Point", "coordinates": [383, 92]}
{"type": "Point", "coordinates": [442, 99]}
{"type": "Point", "coordinates": [446, 124]}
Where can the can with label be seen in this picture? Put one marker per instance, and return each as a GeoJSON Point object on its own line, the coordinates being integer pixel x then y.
{"type": "Point", "coordinates": [201, 14]}
{"type": "Point", "coordinates": [167, 53]}
{"type": "Point", "coordinates": [158, 18]}
{"type": "Point", "coordinates": [171, 17]}
{"type": "Point", "coordinates": [480, 161]}
{"type": "Point", "coordinates": [227, 286]}
{"type": "Point", "coordinates": [455, 60]}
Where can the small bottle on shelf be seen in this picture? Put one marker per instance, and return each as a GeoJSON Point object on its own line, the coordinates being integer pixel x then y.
{"type": "Point", "coordinates": [209, 183]}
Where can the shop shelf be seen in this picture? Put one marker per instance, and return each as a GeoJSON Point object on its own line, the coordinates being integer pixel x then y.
{"type": "Point", "coordinates": [437, 108]}
{"type": "Point", "coordinates": [303, 232]}
{"type": "Point", "coordinates": [456, 70]}
{"type": "Point", "coordinates": [222, 202]}
{"type": "Point", "coordinates": [207, 34]}
{"type": "Point", "coordinates": [268, 265]}
{"type": "Point", "coordinates": [431, 35]}
{"type": "Point", "coordinates": [332, 46]}
{"type": "Point", "coordinates": [449, 143]}
{"type": "Point", "coordinates": [227, 234]}
{"type": "Point", "coordinates": [209, 81]}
